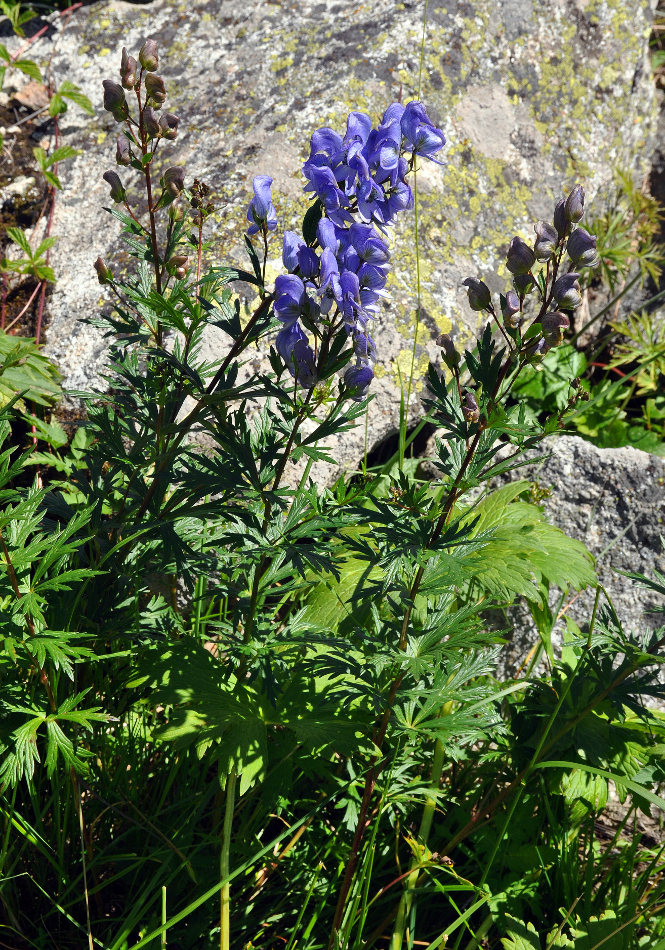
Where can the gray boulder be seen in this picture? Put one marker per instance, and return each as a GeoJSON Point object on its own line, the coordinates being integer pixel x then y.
{"type": "Point", "coordinates": [613, 500]}
{"type": "Point", "coordinates": [532, 97]}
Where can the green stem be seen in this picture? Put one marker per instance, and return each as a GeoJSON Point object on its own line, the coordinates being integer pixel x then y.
{"type": "Point", "coordinates": [423, 834]}
{"type": "Point", "coordinates": [224, 867]}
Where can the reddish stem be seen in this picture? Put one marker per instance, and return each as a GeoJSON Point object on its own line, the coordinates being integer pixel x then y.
{"type": "Point", "coordinates": [3, 301]}
{"type": "Point", "coordinates": [25, 309]}
{"type": "Point", "coordinates": [615, 369]}
{"type": "Point", "coordinates": [40, 33]}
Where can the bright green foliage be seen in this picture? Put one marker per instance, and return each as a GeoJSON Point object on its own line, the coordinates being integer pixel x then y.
{"type": "Point", "coordinates": [58, 105]}
{"type": "Point", "coordinates": [33, 264]}
{"type": "Point", "coordinates": [26, 373]}
{"type": "Point", "coordinates": [230, 681]}
{"type": "Point", "coordinates": [46, 162]}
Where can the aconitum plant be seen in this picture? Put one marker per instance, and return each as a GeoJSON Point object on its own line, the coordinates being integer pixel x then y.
{"type": "Point", "coordinates": [296, 666]}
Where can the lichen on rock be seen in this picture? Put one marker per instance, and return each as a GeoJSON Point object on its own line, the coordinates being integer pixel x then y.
{"type": "Point", "coordinates": [531, 97]}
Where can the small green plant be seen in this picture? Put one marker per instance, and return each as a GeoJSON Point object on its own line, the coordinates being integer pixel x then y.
{"type": "Point", "coordinates": [627, 234]}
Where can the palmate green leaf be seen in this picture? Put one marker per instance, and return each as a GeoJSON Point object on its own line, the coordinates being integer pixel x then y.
{"type": "Point", "coordinates": [209, 706]}
{"type": "Point", "coordinates": [517, 549]}
{"type": "Point", "coordinates": [60, 648]}
{"type": "Point", "coordinates": [520, 936]}
{"type": "Point", "coordinates": [331, 602]}
{"type": "Point", "coordinates": [619, 780]}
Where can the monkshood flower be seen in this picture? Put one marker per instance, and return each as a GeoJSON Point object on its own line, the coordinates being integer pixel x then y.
{"type": "Point", "coordinates": [510, 309]}
{"type": "Point", "coordinates": [479, 293]}
{"type": "Point", "coordinates": [419, 132]}
{"type": "Point", "coordinates": [566, 291]}
{"type": "Point", "coordinates": [293, 346]}
{"type": "Point", "coordinates": [581, 248]}
{"type": "Point", "coordinates": [359, 182]}
{"type": "Point", "coordinates": [358, 378]}
{"type": "Point", "coordinates": [547, 239]}
{"type": "Point", "coordinates": [289, 299]}
{"type": "Point", "coordinates": [553, 326]}
{"type": "Point", "coordinates": [520, 258]}
{"type": "Point", "coordinates": [575, 204]}
{"type": "Point", "coordinates": [261, 211]}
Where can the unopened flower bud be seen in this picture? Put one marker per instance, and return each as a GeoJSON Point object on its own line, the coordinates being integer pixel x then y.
{"type": "Point", "coordinates": [537, 349]}
{"type": "Point", "coordinates": [523, 283]}
{"type": "Point", "coordinates": [148, 57]}
{"type": "Point", "coordinates": [114, 100]}
{"type": "Point", "coordinates": [560, 219]}
{"type": "Point", "coordinates": [553, 325]}
{"type": "Point", "coordinates": [123, 155]}
{"type": "Point", "coordinates": [104, 273]}
{"type": "Point", "coordinates": [479, 293]}
{"type": "Point", "coordinates": [117, 191]}
{"type": "Point", "coordinates": [128, 67]}
{"type": "Point", "coordinates": [546, 241]}
{"type": "Point", "coordinates": [470, 409]}
{"type": "Point", "coordinates": [510, 309]}
{"type": "Point", "coordinates": [173, 181]}
{"type": "Point", "coordinates": [450, 355]}
{"type": "Point", "coordinates": [151, 122]}
{"type": "Point", "coordinates": [168, 123]}
{"type": "Point", "coordinates": [566, 291]}
{"type": "Point", "coordinates": [177, 264]}
{"type": "Point", "coordinates": [520, 258]}
{"type": "Point", "coordinates": [575, 204]}
{"type": "Point", "coordinates": [154, 86]}
{"type": "Point", "coordinates": [582, 248]}
{"type": "Point", "coordinates": [176, 211]}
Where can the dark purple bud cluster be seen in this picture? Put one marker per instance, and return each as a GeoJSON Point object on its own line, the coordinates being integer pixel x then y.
{"type": "Point", "coordinates": [359, 180]}
{"type": "Point", "coordinates": [557, 290]}
{"type": "Point", "coordinates": [150, 126]}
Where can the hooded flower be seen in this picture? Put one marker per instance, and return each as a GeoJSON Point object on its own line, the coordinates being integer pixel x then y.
{"type": "Point", "coordinates": [261, 211]}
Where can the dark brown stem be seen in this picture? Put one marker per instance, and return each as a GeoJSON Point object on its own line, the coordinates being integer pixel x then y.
{"type": "Point", "coordinates": [151, 210]}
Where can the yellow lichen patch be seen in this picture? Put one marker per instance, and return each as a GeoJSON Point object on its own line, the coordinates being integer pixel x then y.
{"type": "Point", "coordinates": [408, 372]}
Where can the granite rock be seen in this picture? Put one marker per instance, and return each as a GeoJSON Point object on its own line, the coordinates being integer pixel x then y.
{"type": "Point", "coordinates": [532, 97]}
{"type": "Point", "coordinates": [613, 500]}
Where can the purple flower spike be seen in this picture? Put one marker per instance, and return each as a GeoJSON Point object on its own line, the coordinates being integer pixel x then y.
{"type": "Point", "coordinates": [358, 379]}
{"type": "Point", "coordinates": [261, 211]}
